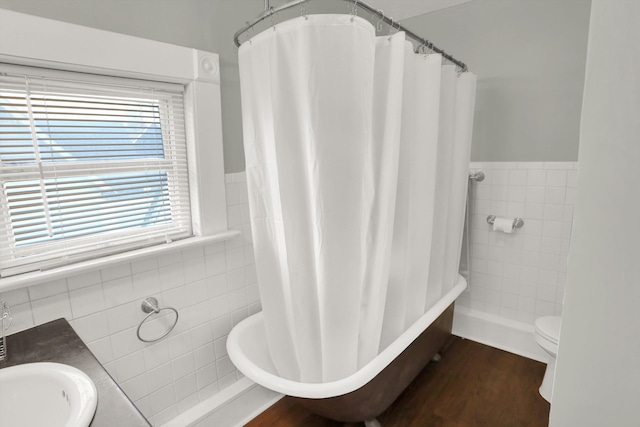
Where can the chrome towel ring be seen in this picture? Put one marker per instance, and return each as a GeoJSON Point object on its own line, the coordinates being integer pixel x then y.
{"type": "Point", "coordinates": [150, 305]}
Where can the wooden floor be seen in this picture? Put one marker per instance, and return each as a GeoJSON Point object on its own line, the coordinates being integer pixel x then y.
{"type": "Point", "coordinates": [473, 386]}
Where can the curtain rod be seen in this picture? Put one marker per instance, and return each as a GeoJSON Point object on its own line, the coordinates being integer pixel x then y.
{"type": "Point", "coordinates": [270, 11]}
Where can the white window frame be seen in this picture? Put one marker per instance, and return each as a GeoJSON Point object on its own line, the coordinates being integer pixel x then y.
{"type": "Point", "coordinates": [40, 42]}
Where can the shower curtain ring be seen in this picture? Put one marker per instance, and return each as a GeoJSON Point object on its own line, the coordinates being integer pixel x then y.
{"type": "Point", "coordinates": [271, 13]}
{"type": "Point", "coordinates": [379, 23]}
{"type": "Point", "coordinates": [354, 10]}
{"type": "Point", "coordinates": [303, 11]}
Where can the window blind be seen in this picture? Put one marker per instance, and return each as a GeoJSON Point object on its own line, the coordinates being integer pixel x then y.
{"type": "Point", "coordinates": [89, 166]}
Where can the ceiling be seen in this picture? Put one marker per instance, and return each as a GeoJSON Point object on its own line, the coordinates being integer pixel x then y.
{"type": "Point", "coordinates": [402, 9]}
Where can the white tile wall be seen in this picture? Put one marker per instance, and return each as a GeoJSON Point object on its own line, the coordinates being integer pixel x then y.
{"type": "Point", "coordinates": [213, 287]}
{"type": "Point", "coordinates": [521, 276]}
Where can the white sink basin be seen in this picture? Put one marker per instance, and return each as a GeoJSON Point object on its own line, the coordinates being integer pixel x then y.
{"type": "Point", "coordinates": [46, 394]}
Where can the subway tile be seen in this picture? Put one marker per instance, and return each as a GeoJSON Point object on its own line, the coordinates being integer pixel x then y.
{"type": "Point", "coordinates": [92, 327]}
{"type": "Point", "coordinates": [83, 280]}
{"type": "Point", "coordinates": [186, 386]}
{"type": "Point", "coordinates": [162, 399]}
{"type": "Point", "coordinates": [48, 289]}
{"type": "Point", "coordinates": [129, 366]}
{"type": "Point", "coordinates": [159, 377]}
{"type": "Point", "coordinates": [554, 195]}
{"type": "Point", "coordinates": [217, 285]}
{"type": "Point", "coordinates": [183, 365]}
{"type": "Point", "coordinates": [220, 347]}
{"type": "Point", "coordinates": [517, 177]}
{"type": "Point", "coordinates": [171, 276]}
{"type": "Point", "coordinates": [517, 193]}
{"type": "Point", "coordinates": [253, 293]}
{"type": "Point", "coordinates": [533, 211]}
{"type": "Point", "coordinates": [199, 313]}
{"type": "Point", "coordinates": [220, 306]}
{"type": "Point", "coordinates": [192, 253]}
{"type": "Point", "coordinates": [115, 272]}
{"type": "Point", "coordinates": [85, 301]}
{"type": "Point", "coordinates": [206, 375]}
{"type": "Point", "coordinates": [118, 291]}
{"type": "Point", "coordinates": [234, 215]}
{"type": "Point", "coordinates": [51, 308]}
{"type": "Point", "coordinates": [145, 264]}
{"type": "Point", "coordinates": [515, 209]}
{"type": "Point", "coordinates": [170, 258]}
{"type": "Point", "coordinates": [493, 282]}
{"type": "Point", "coordinates": [204, 355]}
{"type": "Point", "coordinates": [534, 194]}
{"type": "Point", "coordinates": [510, 286]}
{"type": "Point", "coordinates": [125, 343]}
{"type": "Point", "coordinates": [544, 308]}
{"type": "Point", "coordinates": [553, 212]}
{"type": "Point", "coordinates": [536, 177]}
{"type": "Point", "coordinates": [548, 278]}
{"type": "Point", "coordinates": [572, 178]}
{"type": "Point", "coordinates": [526, 317]}
{"type": "Point", "coordinates": [526, 304]}
{"type": "Point", "coordinates": [239, 315]}
{"type": "Point", "coordinates": [499, 192]}
{"type": "Point", "coordinates": [102, 349]}
{"type": "Point", "coordinates": [22, 315]}
{"type": "Point", "coordinates": [546, 293]}
{"type": "Point", "coordinates": [188, 402]}
{"type": "Point", "coordinates": [499, 207]}
{"type": "Point", "coordinates": [509, 301]}
{"type": "Point", "coordinates": [551, 246]}
{"type": "Point", "coordinates": [201, 335]}
{"type": "Point", "coordinates": [528, 290]}
{"type": "Point", "coordinates": [227, 380]}
{"type": "Point", "coordinates": [146, 283]}
{"type": "Point", "coordinates": [123, 317]}
{"type": "Point", "coordinates": [529, 274]}
{"type": "Point", "coordinates": [216, 263]}
{"type": "Point", "coordinates": [511, 271]}
{"type": "Point", "coordinates": [221, 327]}
{"type": "Point", "coordinates": [179, 344]}
{"type": "Point", "coordinates": [194, 269]}
{"type": "Point", "coordinates": [556, 178]}
{"type": "Point", "coordinates": [482, 207]}
{"type": "Point", "coordinates": [237, 299]}
{"type": "Point", "coordinates": [224, 366]}
{"type": "Point", "coordinates": [15, 297]}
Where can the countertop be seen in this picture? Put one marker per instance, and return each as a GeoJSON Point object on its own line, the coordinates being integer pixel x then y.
{"type": "Point", "coordinates": [56, 341]}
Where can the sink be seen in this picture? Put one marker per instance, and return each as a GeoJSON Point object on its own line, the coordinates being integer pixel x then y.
{"type": "Point", "coordinates": [46, 394]}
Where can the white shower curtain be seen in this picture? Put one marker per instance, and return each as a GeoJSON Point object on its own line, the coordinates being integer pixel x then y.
{"type": "Point", "coordinates": [337, 123]}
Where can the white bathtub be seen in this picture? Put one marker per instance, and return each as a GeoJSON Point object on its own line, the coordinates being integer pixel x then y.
{"type": "Point", "coordinates": [247, 348]}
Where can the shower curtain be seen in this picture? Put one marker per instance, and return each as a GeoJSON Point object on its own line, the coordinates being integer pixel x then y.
{"type": "Point", "coordinates": [354, 148]}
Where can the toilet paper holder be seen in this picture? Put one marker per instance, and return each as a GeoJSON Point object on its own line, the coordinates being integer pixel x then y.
{"type": "Point", "coordinates": [517, 222]}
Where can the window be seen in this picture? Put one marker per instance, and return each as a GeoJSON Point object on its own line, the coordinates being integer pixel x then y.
{"type": "Point", "coordinates": [89, 166]}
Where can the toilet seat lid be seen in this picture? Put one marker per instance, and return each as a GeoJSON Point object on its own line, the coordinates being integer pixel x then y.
{"type": "Point", "coordinates": [549, 327]}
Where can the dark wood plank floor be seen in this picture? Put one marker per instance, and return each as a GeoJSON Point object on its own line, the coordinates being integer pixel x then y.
{"type": "Point", "coordinates": [473, 386]}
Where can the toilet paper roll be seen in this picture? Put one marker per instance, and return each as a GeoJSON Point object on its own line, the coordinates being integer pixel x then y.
{"type": "Point", "coordinates": [503, 224]}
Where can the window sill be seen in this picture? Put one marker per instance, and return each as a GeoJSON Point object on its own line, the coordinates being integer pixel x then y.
{"type": "Point", "coordinates": [36, 277]}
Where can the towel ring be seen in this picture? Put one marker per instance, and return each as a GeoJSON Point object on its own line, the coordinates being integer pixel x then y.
{"type": "Point", "coordinates": [150, 305]}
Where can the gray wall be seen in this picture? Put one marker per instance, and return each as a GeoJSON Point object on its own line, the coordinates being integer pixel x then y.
{"type": "Point", "coordinates": [529, 56]}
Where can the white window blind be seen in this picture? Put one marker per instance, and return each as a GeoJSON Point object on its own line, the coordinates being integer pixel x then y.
{"type": "Point", "coordinates": [89, 166]}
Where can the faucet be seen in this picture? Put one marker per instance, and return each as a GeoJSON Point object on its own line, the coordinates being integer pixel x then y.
{"type": "Point", "coordinates": [5, 315]}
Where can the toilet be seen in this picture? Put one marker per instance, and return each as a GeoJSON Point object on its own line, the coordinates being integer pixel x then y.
{"type": "Point", "coordinates": [546, 333]}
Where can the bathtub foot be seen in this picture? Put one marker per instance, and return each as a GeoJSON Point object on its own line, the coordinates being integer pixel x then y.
{"type": "Point", "coordinates": [372, 423]}
{"type": "Point", "coordinates": [436, 358]}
